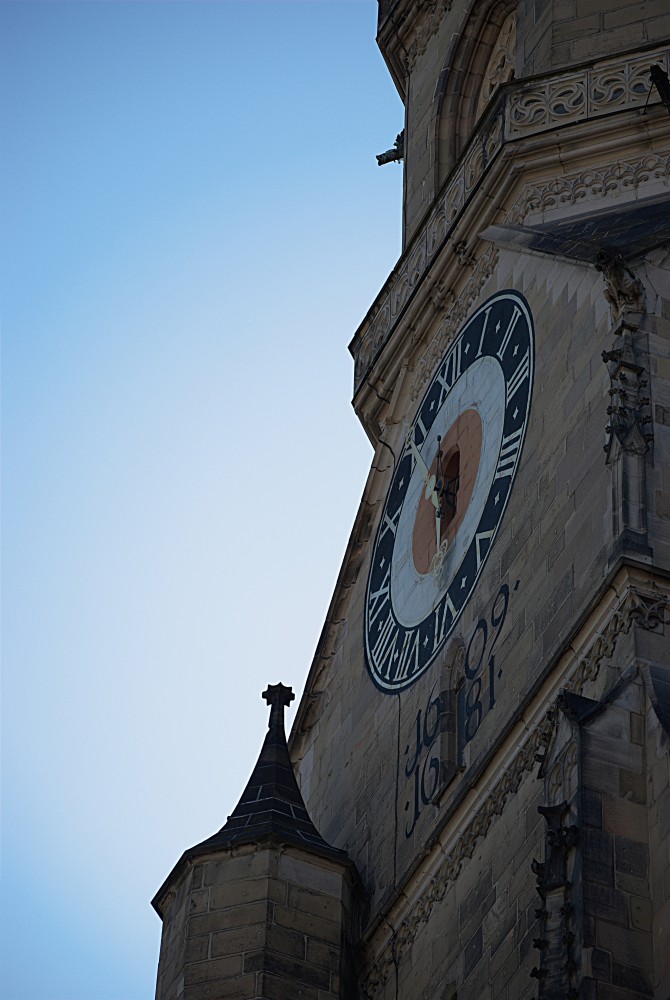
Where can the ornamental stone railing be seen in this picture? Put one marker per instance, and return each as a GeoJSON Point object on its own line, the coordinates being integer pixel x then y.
{"type": "Point", "coordinates": [523, 108]}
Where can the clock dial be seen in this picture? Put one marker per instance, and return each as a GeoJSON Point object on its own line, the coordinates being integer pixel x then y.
{"type": "Point", "coordinates": [449, 491]}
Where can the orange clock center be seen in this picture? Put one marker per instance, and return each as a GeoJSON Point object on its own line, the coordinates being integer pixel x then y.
{"type": "Point", "coordinates": [461, 449]}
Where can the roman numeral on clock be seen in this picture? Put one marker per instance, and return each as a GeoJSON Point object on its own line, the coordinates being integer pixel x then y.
{"type": "Point", "coordinates": [482, 536]}
{"type": "Point", "coordinates": [385, 644]}
{"type": "Point", "coordinates": [389, 523]}
{"type": "Point", "coordinates": [509, 449]}
{"type": "Point", "coordinates": [442, 621]}
{"type": "Point", "coordinates": [409, 656]}
{"type": "Point", "coordinates": [455, 360]}
{"type": "Point", "coordinates": [450, 371]}
{"type": "Point", "coordinates": [378, 598]}
{"type": "Point", "coordinates": [520, 375]}
{"type": "Point", "coordinates": [508, 332]}
{"type": "Point", "coordinates": [423, 429]}
{"type": "Point", "coordinates": [444, 386]}
{"type": "Point", "coordinates": [485, 324]}
{"type": "Point", "coordinates": [412, 604]}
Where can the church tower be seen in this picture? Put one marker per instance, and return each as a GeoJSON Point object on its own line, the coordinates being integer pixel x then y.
{"type": "Point", "coordinates": [485, 726]}
{"type": "Point", "coordinates": [484, 736]}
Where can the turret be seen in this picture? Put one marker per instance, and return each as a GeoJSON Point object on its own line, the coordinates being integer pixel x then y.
{"type": "Point", "coordinates": [264, 908]}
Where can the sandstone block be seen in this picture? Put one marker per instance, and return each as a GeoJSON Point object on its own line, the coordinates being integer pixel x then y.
{"type": "Point", "coordinates": [221, 968]}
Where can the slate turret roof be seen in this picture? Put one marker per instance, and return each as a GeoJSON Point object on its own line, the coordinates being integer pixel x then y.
{"type": "Point", "coordinates": [271, 807]}
{"type": "Point", "coordinates": [271, 804]}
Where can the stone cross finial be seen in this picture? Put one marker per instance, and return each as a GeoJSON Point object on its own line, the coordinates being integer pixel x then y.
{"type": "Point", "coordinates": [278, 697]}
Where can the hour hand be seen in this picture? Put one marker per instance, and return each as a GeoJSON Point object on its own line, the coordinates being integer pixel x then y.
{"type": "Point", "coordinates": [428, 477]}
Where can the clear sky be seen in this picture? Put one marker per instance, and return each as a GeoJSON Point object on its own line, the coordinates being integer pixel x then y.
{"type": "Point", "coordinates": [194, 224]}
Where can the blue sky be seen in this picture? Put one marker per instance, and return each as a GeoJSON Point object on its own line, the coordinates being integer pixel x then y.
{"type": "Point", "coordinates": [194, 224]}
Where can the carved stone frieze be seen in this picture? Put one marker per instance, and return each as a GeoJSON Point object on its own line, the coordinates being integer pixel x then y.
{"type": "Point", "coordinates": [482, 152]}
{"type": "Point", "coordinates": [573, 188]}
{"type": "Point", "coordinates": [640, 608]}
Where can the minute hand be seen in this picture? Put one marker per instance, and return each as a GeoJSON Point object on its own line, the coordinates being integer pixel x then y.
{"type": "Point", "coordinates": [428, 478]}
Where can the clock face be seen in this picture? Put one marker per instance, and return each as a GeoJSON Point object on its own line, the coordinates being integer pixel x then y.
{"type": "Point", "coordinates": [449, 491]}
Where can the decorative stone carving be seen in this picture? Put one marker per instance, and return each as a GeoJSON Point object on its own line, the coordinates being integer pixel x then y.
{"type": "Point", "coordinates": [556, 973]}
{"type": "Point", "coordinates": [425, 248]}
{"type": "Point", "coordinates": [598, 89]}
{"type": "Point", "coordinates": [573, 188]}
{"type": "Point", "coordinates": [486, 142]}
{"type": "Point", "coordinates": [624, 290]}
{"type": "Point", "coordinates": [570, 771]}
{"type": "Point", "coordinates": [628, 430]}
{"type": "Point", "coordinates": [555, 783]}
{"type": "Point", "coordinates": [561, 780]}
{"type": "Point", "coordinates": [442, 297]}
{"type": "Point", "coordinates": [629, 411]}
{"type": "Point", "coordinates": [536, 107]}
{"type": "Point", "coordinates": [500, 67]}
{"type": "Point", "coordinates": [395, 153]}
{"type": "Point", "coordinates": [463, 254]}
{"type": "Point", "coordinates": [619, 84]}
{"type": "Point", "coordinates": [643, 609]}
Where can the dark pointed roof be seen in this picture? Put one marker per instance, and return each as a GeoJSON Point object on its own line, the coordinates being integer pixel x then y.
{"type": "Point", "coordinates": [271, 807]}
{"type": "Point", "coordinates": [271, 803]}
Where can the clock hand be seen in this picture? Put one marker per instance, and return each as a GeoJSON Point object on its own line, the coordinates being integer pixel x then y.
{"type": "Point", "coordinates": [417, 456]}
{"type": "Point", "coordinates": [428, 478]}
{"type": "Point", "coordinates": [438, 492]}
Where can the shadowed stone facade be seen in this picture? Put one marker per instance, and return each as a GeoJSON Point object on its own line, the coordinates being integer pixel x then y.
{"type": "Point", "coordinates": [483, 740]}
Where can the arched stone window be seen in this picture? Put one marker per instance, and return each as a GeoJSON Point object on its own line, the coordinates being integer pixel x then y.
{"type": "Point", "coordinates": [481, 59]}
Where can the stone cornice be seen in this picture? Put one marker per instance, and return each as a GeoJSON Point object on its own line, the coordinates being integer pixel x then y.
{"type": "Point", "coordinates": [523, 109]}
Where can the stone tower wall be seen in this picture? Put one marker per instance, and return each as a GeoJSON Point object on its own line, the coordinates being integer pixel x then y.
{"type": "Point", "coordinates": [258, 922]}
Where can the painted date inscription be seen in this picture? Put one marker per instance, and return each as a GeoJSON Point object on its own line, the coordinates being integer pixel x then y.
{"type": "Point", "coordinates": [477, 695]}
{"type": "Point", "coordinates": [422, 765]}
{"type": "Point", "coordinates": [439, 734]}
